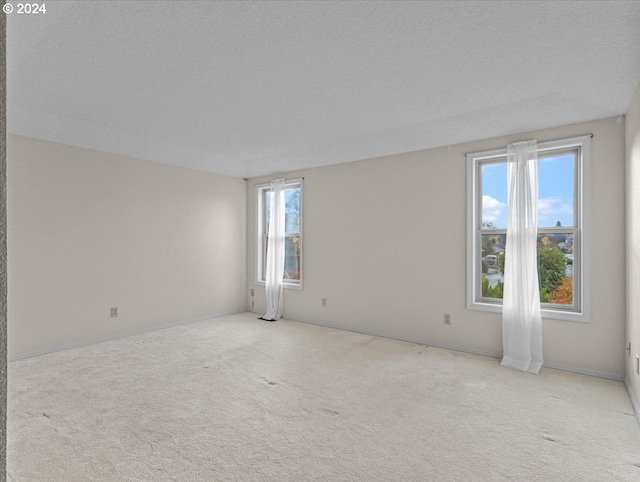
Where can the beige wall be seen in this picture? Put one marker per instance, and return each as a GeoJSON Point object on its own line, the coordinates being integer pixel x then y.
{"type": "Point", "coordinates": [89, 230]}
{"type": "Point", "coordinates": [385, 243]}
{"type": "Point", "coordinates": [633, 244]}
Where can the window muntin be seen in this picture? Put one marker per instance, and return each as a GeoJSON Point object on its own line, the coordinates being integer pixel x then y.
{"type": "Point", "coordinates": [293, 231]}
{"type": "Point", "coordinates": [562, 168]}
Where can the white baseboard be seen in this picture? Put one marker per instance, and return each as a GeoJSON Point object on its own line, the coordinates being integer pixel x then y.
{"type": "Point", "coordinates": [634, 401]}
{"type": "Point", "coordinates": [473, 351]}
{"type": "Point", "coordinates": [122, 335]}
{"type": "Point", "coordinates": [585, 371]}
{"type": "Point", "coordinates": [419, 341]}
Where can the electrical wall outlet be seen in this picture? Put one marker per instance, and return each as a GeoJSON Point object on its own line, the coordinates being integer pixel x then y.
{"type": "Point", "coordinates": [324, 302]}
{"type": "Point", "coordinates": [447, 318]}
{"type": "Point", "coordinates": [252, 304]}
{"type": "Point", "coordinates": [114, 312]}
{"type": "Point", "coordinates": [253, 292]}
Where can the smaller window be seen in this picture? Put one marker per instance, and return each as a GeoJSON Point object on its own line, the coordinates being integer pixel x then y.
{"type": "Point", "coordinates": [293, 231]}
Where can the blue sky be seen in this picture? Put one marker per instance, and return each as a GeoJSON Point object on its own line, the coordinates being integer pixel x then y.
{"type": "Point", "coordinates": [555, 192]}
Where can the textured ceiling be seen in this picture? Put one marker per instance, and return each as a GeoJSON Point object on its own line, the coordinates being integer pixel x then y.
{"type": "Point", "coordinates": [253, 88]}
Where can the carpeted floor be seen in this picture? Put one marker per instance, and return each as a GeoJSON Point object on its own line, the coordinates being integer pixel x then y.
{"type": "Point", "coordinates": [239, 399]}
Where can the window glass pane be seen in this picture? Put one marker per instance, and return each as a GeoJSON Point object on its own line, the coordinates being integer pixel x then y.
{"type": "Point", "coordinates": [291, 206]}
{"type": "Point", "coordinates": [267, 209]}
{"type": "Point", "coordinates": [555, 267]}
{"type": "Point", "coordinates": [494, 195]}
{"type": "Point", "coordinates": [292, 258]}
{"type": "Point", "coordinates": [292, 210]}
{"type": "Point", "coordinates": [492, 261]}
{"type": "Point", "coordinates": [555, 190]}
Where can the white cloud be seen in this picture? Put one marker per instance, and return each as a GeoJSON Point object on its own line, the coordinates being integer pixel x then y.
{"type": "Point", "coordinates": [553, 209]}
{"type": "Point", "coordinates": [492, 209]}
{"type": "Point", "coordinates": [550, 210]}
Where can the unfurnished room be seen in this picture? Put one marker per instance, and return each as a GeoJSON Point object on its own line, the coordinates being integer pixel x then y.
{"type": "Point", "coordinates": [320, 241]}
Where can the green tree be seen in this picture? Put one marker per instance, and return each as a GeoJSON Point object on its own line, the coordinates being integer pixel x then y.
{"type": "Point", "coordinates": [558, 238]}
{"type": "Point", "coordinates": [552, 269]}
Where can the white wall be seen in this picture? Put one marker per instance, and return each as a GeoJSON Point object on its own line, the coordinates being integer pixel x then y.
{"type": "Point", "coordinates": [385, 243]}
{"type": "Point", "coordinates": [633, 243]}
{"type": "Point", "coordinates": [89, 230]}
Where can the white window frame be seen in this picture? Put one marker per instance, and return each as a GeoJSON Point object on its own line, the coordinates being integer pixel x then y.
{"type": "Point", "coordinates": [262, 233]}
{"type": "Point", "coordinates": [582, 230]}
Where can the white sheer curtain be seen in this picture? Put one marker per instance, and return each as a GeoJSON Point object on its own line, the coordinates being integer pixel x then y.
{"type": "Point", "coordinates": [275, 252]}
{"type": "Point", "coordinates": [521, 317]}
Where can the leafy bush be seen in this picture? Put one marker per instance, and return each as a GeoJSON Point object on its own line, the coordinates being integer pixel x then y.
{"type": "Point", "coordinates": [563, 294]}
{"type": "Point", "coordinates": [489, 292]}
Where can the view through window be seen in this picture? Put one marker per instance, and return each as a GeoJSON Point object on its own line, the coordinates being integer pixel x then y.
{"type": "Point", "coordinates": [560, 226]}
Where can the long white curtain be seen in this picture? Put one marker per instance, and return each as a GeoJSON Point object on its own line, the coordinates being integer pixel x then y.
{"type": "Point", "coordinates": [521, 317]}
{"type": "Point", "coordinates": [275, 252]}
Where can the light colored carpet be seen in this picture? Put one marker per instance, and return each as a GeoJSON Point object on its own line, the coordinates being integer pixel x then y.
{"type": "Point", "coordinates": [239, 399]}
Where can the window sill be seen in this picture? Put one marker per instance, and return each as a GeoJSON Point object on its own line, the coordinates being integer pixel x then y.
{"type": "Point", "coordinates": [546, 313]}
{"type": "Point", "coordinates": [287, 286]}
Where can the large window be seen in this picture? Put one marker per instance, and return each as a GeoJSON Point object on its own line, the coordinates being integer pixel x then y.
{"type": "Point", "coordinates": [293, 231]}
{"type": "Point", "coordinates": [563, 237]}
